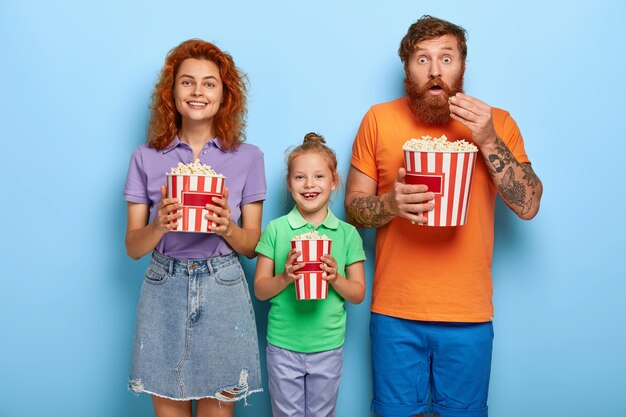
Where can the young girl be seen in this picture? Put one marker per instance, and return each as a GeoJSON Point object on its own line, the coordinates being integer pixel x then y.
{"type": "Point", "coordinates": [195, 335]}
{"type": "Point", "coordinates": [305, 337]}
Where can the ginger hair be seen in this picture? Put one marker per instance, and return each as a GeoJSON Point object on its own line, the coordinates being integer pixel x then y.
{"type": "Point", "coordinates": [229, 122]}
{"type": "Point", "coordinates": [426, 28]}
{"type": "Point", "coordinates": [313, 142]}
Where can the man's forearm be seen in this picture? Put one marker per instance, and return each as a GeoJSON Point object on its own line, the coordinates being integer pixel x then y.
{"type": "Point", "coordinates": [518, 185]}
{"type": "Point", "coordinates": [369, 211]}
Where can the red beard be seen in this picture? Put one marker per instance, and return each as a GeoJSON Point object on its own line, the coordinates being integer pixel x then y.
{"type": "Point", "coordinates": [432, 110]}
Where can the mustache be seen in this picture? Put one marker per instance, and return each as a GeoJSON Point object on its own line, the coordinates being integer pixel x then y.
{"type": "Point", "coordinates": [437, 82]}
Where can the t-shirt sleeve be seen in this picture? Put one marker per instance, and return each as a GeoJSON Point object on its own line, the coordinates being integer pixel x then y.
{"type": "Point", "coordinates": [267, 242]}
{"type": "Point", "coordinates": [512, 136]}
{"type": "Point", "coordinates": [364, 147]}
{"type": "Point", "coordinates": [136, 188]}
{"type": "Point", "coordinates": [354, 245]}
{"type": "Point", "coordinates": [255, 187]}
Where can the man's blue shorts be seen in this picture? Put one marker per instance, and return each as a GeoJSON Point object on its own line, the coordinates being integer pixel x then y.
{"type": "Point", "coordinates": [414, 360]}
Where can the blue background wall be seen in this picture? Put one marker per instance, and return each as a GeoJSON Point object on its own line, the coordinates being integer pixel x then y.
{"type": "Point", "coordinates": [76, 83]}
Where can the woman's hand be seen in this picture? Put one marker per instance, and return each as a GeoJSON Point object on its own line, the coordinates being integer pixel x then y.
{"type": "Point", "coordinates": [291, 267]}
{"type": "Point", "coordinates": [167, 214]}
{"type": "Point", "coordinates": [220, 216]}
{"type": "Point", "coordinates": [143, 236]}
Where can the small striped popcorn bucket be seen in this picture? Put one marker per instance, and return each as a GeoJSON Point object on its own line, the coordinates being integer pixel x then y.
{"type": "Point", "coordinates": [310, 285]}
{"type": "Point", "coordinates": [194, 191]}
{"type": "Point", "coordinates": [448, 174]}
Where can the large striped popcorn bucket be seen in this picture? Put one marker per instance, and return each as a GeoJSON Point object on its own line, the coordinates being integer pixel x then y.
{"type": "Point", "coordinates": [194, 191]}
{"type": "Point", "coordinates": [310, 285]}
{"type": "Point", "coordinates": [448, 174]}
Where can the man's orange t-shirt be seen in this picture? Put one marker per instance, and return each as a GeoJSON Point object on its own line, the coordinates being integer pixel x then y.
{"type": "Point", "coordinates": [431, 273]}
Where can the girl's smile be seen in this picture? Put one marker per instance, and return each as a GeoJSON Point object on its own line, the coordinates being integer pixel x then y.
{"type": "Point", "coordinates": [310, 196]}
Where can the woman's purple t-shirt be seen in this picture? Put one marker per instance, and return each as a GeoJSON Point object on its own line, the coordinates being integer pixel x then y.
{"type": "Point", "coordinates": [243, 168]}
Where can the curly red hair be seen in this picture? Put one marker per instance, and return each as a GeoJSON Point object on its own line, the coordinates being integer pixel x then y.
{"type": "Point", "coordinates": [229, 122]}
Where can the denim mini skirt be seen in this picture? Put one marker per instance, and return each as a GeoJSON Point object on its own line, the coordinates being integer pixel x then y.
{"type": "Point", "coordinates": [195, 333]}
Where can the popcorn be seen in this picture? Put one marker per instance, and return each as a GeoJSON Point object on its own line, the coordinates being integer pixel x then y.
{"type": "Point", "coordinates": [314, 235]}
{"type": "Point", "coordinates": [429, 144]}
{"type": "Point", "coordinates": [194, 185]}
{"type": "Point", "coordinates": [194, 168]}
{"type": "Point", "coordinates": [311, 284]}
{"type": "Point", "coordinates": [446, 168]}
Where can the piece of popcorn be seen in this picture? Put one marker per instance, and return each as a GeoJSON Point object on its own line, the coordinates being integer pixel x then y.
{"type": "Point", "coordinates": [194, 168]}
{"type": "Point", "coordinates": [429, 144]}
{"type": "Point", "coordinates": [314, 235]}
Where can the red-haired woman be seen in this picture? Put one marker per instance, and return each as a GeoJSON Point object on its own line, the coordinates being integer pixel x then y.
{"type": "Point", "coordinates": [195, 335]}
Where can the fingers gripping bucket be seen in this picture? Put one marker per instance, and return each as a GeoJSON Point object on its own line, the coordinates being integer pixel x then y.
{"type": "Point", "coordinates": [194, 192]}
{"type": "Point", "coordinates": [448, 175]}
{"type": "Point", "coordinates": [310, 285]}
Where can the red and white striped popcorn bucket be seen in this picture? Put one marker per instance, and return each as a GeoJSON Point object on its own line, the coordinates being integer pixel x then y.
{"type": "Point", "coordinates": [194, 192]}
{"type": "Point", "coordinates": [448, 174]}
{"type": "Point", "coordinates": [310, 285]}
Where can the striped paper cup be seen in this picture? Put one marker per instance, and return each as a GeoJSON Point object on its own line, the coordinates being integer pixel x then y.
{"type": "Point", "coordinates": [448, 174]}
{"type": "Point", "coordinates": [310, 285]}
{"type": "Point", "coordinates": [194, 192]}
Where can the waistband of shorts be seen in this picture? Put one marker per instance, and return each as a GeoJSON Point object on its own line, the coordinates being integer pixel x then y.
{"type": "Point", "coordinates": [210, 264]}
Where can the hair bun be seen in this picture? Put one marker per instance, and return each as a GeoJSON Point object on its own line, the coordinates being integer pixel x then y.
{"type": "Point", "coordinates": [313, 137]}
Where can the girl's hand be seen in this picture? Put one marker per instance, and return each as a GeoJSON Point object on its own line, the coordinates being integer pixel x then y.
{"type": "Point", "coordinates": [221, 215]}
{"type": "Point", "coordinates": [167, 214]}
{"type": "Point", "coordinates": [329, 266]}
{"type": "Point", "coordinates": [291, 268]}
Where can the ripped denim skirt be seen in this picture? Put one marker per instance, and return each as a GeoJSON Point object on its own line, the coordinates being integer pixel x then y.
{"type": "Point", "coordinates": [195, 333]}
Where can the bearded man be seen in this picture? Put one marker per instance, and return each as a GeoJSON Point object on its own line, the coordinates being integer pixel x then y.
{"type": "Point", "coordinates": [431, 321]}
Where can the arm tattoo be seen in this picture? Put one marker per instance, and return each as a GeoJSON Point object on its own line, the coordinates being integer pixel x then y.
{"type": "Point", "coordinates": [496, 163]}
{"type": "Point", "coordinates": [530, 176]}
{"type": "Point", "coordinates": [501, 158]}
{"type": "Point", "coordinates": [369, 211]}
{"type": "Point", "coordinates": [513, 192]}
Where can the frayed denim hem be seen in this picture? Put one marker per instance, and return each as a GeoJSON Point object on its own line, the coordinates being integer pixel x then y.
{"type": "Point", "coordinates": [136, 387]}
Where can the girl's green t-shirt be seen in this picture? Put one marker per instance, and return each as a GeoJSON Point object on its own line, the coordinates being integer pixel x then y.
{"type": "Point", "coordinates": [308, 325]}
